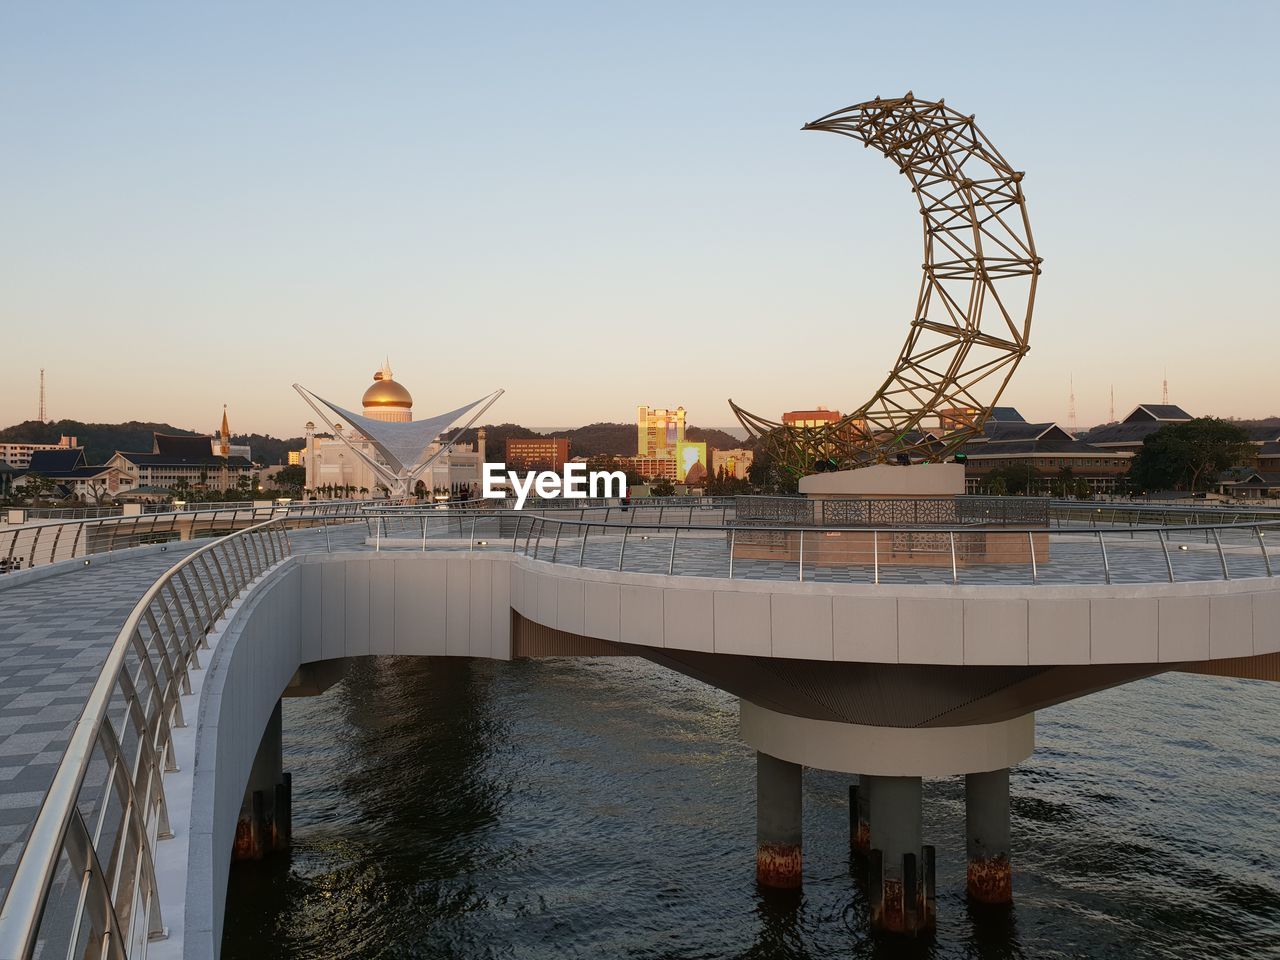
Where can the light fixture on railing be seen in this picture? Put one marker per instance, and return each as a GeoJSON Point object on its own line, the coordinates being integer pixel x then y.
{"type": "Point", "coordinates": [1183, 546]}
{"type": "Point", "coordinates": [179, 504]}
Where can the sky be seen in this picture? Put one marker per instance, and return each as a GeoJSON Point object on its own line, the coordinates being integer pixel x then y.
{"type": "Point", "coordinates": [596, 206]}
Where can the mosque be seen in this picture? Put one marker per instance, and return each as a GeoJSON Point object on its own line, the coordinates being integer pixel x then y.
{"type": "Point", "coordinates": [334, 471]}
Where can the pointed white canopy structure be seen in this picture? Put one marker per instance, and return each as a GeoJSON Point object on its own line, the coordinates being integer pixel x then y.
{"type": "Point", "coordinates": [406, 447]}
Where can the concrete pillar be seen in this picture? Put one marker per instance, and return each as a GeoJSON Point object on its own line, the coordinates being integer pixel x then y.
{"type": "Point", "coordinates": [266, 814]}
{"type": "Point", "coordinates": [986, 797]}
{"type": "Point", "coordinates": [860, 817]}
{"type": "Point", "coordinates": [901, 872]}
{"type": "Point", "coordinates": [779, 811]}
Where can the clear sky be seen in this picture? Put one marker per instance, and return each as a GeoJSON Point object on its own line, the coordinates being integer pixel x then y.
{"type": "Point", "coordinates": [597, 205]}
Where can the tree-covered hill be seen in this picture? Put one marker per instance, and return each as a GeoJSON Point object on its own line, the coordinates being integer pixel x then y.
{"type": "Point", "coordinates": [101, 440]}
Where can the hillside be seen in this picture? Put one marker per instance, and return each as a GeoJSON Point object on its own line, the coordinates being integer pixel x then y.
{"type": "Point", "coordinates": [101, 440]}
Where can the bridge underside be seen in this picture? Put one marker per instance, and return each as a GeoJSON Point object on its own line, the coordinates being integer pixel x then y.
{"type": "Point", "coordinates": [868, 694]}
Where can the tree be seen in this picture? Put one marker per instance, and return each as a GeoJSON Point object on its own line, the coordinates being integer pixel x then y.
{"type": "Point", "coordinates": [1190, 455]}
{"type": "Point", "coordinates": [98, 491]}
{"type": "Point", "coordinates": [662, 487]}
{"type": "Point", "coordinates": [37, 487]}
{"type": "Point", "coordinates": [1016, 481]}
{"type": "Point", "coordinates": [292, 478]}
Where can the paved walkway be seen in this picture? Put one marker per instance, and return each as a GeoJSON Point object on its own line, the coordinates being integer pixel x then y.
{"type": "Point", "coordinates": [54, 636]}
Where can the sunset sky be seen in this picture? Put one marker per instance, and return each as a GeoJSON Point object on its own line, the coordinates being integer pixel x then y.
{"type": "Point", "coordinates": [596, 206]}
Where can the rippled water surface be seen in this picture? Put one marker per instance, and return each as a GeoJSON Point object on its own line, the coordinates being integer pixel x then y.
{"type": "Point", "coordinates": [606, 808]}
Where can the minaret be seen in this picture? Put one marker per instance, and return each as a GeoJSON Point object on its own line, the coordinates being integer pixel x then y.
{"type": "Point", "coordinates": [225, 448]}
{"type": "Point", "coordinates": [480, 447]}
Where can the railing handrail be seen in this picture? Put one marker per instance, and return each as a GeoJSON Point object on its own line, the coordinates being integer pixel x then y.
{"type": "Point", "coordinates": [24, 902]}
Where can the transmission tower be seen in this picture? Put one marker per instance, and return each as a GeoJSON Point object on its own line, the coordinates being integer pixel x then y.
{"type": "Point", "coordinates": [42, 416]}
{"type": "Point", "coordinates": [1071, 409]}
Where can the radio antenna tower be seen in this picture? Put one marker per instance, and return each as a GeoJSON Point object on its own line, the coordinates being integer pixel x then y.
{"type": "Point", "coordinates": [1071, 410]}
{"type": "Point", "coordinates": [1165, 394]}
{"type": "Point", "coordinates": [42, 417]}
{"type": "Point", "coordinates": [1112, 416]}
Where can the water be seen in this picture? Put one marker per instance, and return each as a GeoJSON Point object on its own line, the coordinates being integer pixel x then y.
{"type": "Point", "coordinates": [605, 808]}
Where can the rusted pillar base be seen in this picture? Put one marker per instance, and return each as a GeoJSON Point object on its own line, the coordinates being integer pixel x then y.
{"type": "Point", "coordinates": [779, 866]}
{"type": "Point", "coordinates": [990, 875]}
{"type": "Point", "coordinates": [265, 822]}
{"type": "Point", "coordinates": [779, 857]}
{"type": "Point", "coordinates": [900, 882]}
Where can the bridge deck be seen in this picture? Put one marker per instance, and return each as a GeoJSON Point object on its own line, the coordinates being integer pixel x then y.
{"type": "Point", "coordinates": [54, 636]}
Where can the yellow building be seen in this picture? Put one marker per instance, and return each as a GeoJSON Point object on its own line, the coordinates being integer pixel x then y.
{"type": "Point", "coordinates": [659, 432]}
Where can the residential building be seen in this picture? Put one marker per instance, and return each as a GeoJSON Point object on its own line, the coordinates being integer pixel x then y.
{"type": "Point", "coordinates": [544, 452]}
{"type": "Point", "coordinates": [653, 468]}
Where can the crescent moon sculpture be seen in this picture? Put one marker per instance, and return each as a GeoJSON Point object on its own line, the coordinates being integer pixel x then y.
{"type": "Point", "coordinates": [980, 264]}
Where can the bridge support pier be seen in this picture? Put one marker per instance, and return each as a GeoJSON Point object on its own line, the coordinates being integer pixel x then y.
{"type": "Point", "coordinates": [990, 876]}
{"type": "Point", "coordinates": [860, 817]}
{"type": "Point", "coordinates": [901, 881]}
{"type": "Point", "coordinates": [779, 813]}
{"type": "Point", "coordinates": [265, 822]}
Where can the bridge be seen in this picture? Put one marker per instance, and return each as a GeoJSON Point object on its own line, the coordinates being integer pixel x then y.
{"type": "Point", "coordinates": [892, 640]}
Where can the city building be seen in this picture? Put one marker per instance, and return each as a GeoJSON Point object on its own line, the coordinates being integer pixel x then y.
{"type": "Point", "coordinates": [549, 453]}
{"type": "Point", "coordinates": [1128, 434]}
{"type": "Point", "coordinates": [735, 463]}
{"type": "Point", "coordinates": [1009, 444]}
{"type": "Point", "coordinates": [334, 470]}
{"type": "Point", "coordinates": [652, 468]}
{"type": "Point", "coordinates": [73, 477]}
{"type": "Point", "coordinates": [182, 461]}
{"type": "Point", "coordinates": [817, 417]}
{"type": "Point", "coordinates": [296, 456]}
{"type": "Point", "coordinates": [659, 431]}
{"type": "Point", "coordinates": [18, 455]}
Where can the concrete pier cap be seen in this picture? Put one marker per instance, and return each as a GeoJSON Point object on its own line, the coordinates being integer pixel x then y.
{"type": "Point", "coordinates": [888, 751]}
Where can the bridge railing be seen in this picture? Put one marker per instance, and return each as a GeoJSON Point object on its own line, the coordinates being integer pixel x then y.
{"type": "Point", "coordinates": [955, 554]}
{"type": "Point", "coordinates": [37, 544]}
{"type": "Point", "coordinates": [711, 540]}
{"type": "Point", "coordinates": [85, 883]}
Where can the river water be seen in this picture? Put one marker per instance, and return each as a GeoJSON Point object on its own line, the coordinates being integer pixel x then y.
{"type": "Point", "coordinates": [606, 808]}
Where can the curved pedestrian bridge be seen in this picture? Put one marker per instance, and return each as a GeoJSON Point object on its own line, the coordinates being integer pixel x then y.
{"type": "Point", "coordinates": [138, 683]}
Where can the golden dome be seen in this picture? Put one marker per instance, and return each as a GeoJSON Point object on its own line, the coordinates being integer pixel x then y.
{"type": "Point", "coordinates": [385, 392]}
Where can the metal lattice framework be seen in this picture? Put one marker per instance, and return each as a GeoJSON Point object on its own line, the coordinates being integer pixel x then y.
{"type": "Point", "coordinates": [980, 264]}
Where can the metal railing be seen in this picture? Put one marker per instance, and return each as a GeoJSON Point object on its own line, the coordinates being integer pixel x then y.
{"type": "Point", "coordinates": [876, 554]}
{"type": "Point", "coordinates": [37, 544]}
{"type": "Point", "coordinates": [85, 884]}
{"type": "Point", "coordinates": [712, 541]}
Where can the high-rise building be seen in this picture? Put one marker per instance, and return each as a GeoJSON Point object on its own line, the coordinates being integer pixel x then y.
{"type": "Point", "coordinates": [659, 431]}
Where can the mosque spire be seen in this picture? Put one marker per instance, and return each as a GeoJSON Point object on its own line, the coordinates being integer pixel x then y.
{"type": "Point", "coordinates": [225, 447]}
